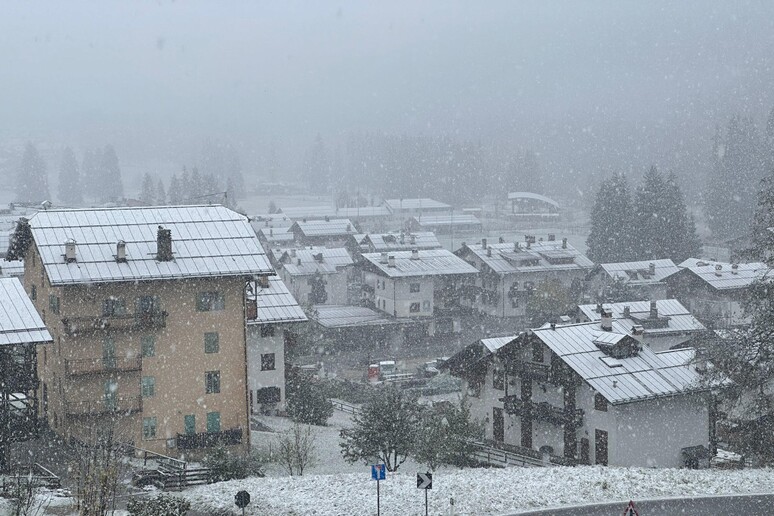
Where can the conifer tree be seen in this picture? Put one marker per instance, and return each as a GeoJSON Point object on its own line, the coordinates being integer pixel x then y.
{"type": "Point", "coordinates": [90, 175]}
{"type": "Point", "coordinates": [161, 194]}
{"type": "Point", "coordinates": [110, 172]}
{"type": "Point", "coordinates": [610, 239]}
{"type": "Point", "coordinates": [69, 179]}
{"type": "Point", "coordinates": [175, 191]}
{"type": "Point", "coordinates": [148, 191]}
{"type": "Point", "coordinates": [32, 180]}
{"type": "Point", "coordinates": [649, 216]}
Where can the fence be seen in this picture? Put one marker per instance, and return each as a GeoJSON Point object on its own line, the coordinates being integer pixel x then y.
{"type": "Point", "coordinates": [345, 407]}
{"type": "Point", "coordinates": [502, 458]}
{"type": "Point", "coordinates": [38, 476]}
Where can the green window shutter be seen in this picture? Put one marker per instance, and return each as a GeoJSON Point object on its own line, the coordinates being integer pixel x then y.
{"type": "Point", "coordinates": [211, 342]}
{"type": "Point", "coordinates": [148, 346]}
{"type": "Point", "coordinates": [213, 421]}
{"type": "Point", "coordinates": [190, 424]}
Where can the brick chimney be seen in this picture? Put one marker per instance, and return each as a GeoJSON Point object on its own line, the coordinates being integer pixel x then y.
{"type": "Point", "coordinates": [626, 311]}
{"type": "Point", "coordinates": [564, 243]}
{"type": "Point", "coordinates": [164, 245]}
{"type": "Point", "coordinates": [653, 310]}
{"type": "Point", "coordinates": [121, 251]}
{"type": "Point", "coordinates": [391, 261]}
{"type": "Point", "coordinates": [607, 320]}
{"type": "Point", "coordinates": [483, 243]}
{"type": "Point", "coordinates": [415, 254]}
{"type": "Point", "coordinates": [70, 256]}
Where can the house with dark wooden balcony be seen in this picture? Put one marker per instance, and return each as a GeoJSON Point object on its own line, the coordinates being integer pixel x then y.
{"type": "Point", "coordinates": [21, 331]}
{"type": "Point", "coordinates": [639, 280]}
{"type": "Point", "coordinates": [587, 394]}
{"type": "Point", "coordinates": [146, 307]}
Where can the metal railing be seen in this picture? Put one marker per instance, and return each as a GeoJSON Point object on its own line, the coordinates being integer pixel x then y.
{"type": "Point", "coordinates": [209, 439]}
{"type": "Point", "coordinates": [139, 320]}
{"type": "Point", "coordinates": [345, 407]}
{"type": "Point", "coordinates": [103, 406]}
{"type": "Point", "coordinates": [82, 366]}
{"type": "Point", "coordinates": [543, 411]}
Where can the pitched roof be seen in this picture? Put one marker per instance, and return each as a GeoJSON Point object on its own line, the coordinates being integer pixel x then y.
{"type": "Point", "coordinates": [724, 276]}
{"type": "Point", "coordinates": [275, 303]}
{"type": "Point", "coordinates": [342, 316]}
{"type": "Point", "coordinates": [304, 262]}
{"type": "Point", "coordinates": [207, 241]}
{"type": "Point", "coordinates": [378, 242]}
{"type": "Point", "coordinates": [509, 258]}
{"type": "Point", "coordinates": [322, 228]}
{"type": "Point", "coordinates": [446, 220]}
{"type": "Point", "coordinates": [415, 204]}
{"type": "Point", "coordinates": [638, 273]}
{"type": "Point", "coordinates": [20, 322]}
{"type": "Point", "coordinates": [363, 211]}
{"type": "Point", "coordinates": [647, 375]}
{"type": "Point", "coordinates": [308, 212]}
{"type": "Point", "coordinates": [680, 319]}
{"type": "Point", "coordinates": [531, 195]}
{"type": "Point", "coordinates": [431, 262]}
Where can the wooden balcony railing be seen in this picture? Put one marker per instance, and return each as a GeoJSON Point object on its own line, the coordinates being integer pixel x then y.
{"type": "Point", "coordinates": [542, 411]}
{"type": "Point", "coordinates": [209, 439]}
{"type": "Point", "coordinates": [137, 321]}
{"type": "Point", "coordinates": [533, 370]}
{"type": "Point", "coordinates": [103, 405]}
{"type": "Point", "coordinates": [83, 366]}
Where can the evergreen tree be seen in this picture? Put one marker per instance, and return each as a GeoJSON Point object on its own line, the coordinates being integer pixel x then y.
{"type": "Point", "coordinates": [680, 238]}
{"type": "Point", "coordinates": [762, 247]}
{"type": "Point", "coordinates": [32, 180]}
{"type": "Point", "coordinates": [649, 211]}
{"type": "Point", "coordinates": [175, 191]}
{"type": "Point", "coordinates": [186, 192]}
{"type": "Point", "coordinates": [230, 200]}
{"type": "Point", "coordinates": [110, 172]}
{"type": "Point", "coordinates": [610, 239]}
{"type": "Point", "coordinates": [316, 166]}
{"type": "Point", "coordinates": [161, 194]}
{"type": "Point", "coordinates": [69, 179]}
{"type": "Point", "coordinates": [196, 187]}
{"type": "Point", "coordinates": [90, 175]}
{"type": "Point", "coordinates": [148, 191]}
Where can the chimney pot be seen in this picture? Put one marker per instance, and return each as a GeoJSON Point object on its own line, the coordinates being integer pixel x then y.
{"type": "Point", "coordinates": [626, 311]}
{"type": "Point", "coordinates": [121, 251]}
{"type": "Point", "coordinates": [653, 310]}
{"type": "Point", "coordinates": [607, 320]}
{"type": "Point", "coordinates": [349, 228]}
{"type": "Point", "coordinates": [70, 256]}
{"type": "Point", "coordinates": [652, 268]}
{"type": "Point", "coordinates": [564, 243]}
{"type": "Point", "coordinates": [501, 240]}
{"type": "Point", "coordinates": [489, 251]}
{"type": "Point", "coordinates": [164, 245]}
{"type": "Point", "coordinates": [298, 262]}
{"type": "Point", "coordinates": [551, 237]}
{"type": "Point", "coordinates": [383, 258]}
{"type": "Point", "coordinates": [483, 243]}
{"type": "Point", "coordinates": [391, 261]}
{"type": "Point", "coordinates": [415, 254]}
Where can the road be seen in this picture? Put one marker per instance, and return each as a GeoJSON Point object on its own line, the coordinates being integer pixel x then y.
{"type": "Point", "coordinates": [716, 506]}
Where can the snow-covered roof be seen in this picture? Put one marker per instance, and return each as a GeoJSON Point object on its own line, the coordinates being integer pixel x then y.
{"type": "Point", "coordinates": [323, 228]}
{"type": "Point", "coordinates": [342, 316]}
{"type": "Point", "coordinates": [646, 375]}
{"type": "Point", "coordinates": [306, 261]}
{"type": "Point", "coordinates": [423, 204]}
{"type": "Point", "coordinates": [531, 195]}
{"type": "Point", "coordinates": [273, 235]}
{"type": "Point", "coordinates": [207, 241]}
{"type": "Point", "coordinates": [675, 318]}
{"type": "Point", "coordinates": [363, 211]}
{"type": "Point", "coordinates": [446, 220]}
{"type": "Point", "coordinates": [723, 275]}
{"type": "Point", "coordinates": [508, 258]}
{"type": "Point", "coordinates": [14, 268]}
{"type": "Point", "coordinates": [495, 343]}
{"type": "Point", "coordinates": [275, 303]}
{"type": "Point", "coordinates": [431, 262]}
{"type": "Point", "coordinates": [308, 212]}
{"type": "Point", "coordinates": [20, 322]}
{"type": "Point", "coordinates": [639, 273]}
{"type": "Point", "coordinates": [378, 242]}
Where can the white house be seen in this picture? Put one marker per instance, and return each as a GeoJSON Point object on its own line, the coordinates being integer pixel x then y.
{"type": "Point", "coordinates": [328, 232]}
{"type": "Point", "coordinates": [317, 275]}
{"type": "Point", "coordinates": [584, 393]}
{"type": "Point", "coordinates": [666, 323]}
{"type": "Point", "coordinates": [643, 280]}
{"type": "Point", "coordinates": [270, 310]}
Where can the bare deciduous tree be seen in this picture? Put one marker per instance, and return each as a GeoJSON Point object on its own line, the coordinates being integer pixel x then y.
{"type": "Point", "coordinates": [296, 449]}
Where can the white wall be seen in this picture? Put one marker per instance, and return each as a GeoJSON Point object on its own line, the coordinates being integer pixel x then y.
{"type": "Point", "coordinates": [257, 345]}
{"type": "Point", "coordinates": [394, 297]}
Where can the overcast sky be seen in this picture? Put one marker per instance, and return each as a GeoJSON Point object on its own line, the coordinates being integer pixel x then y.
{"type": "Point", "coordinates": [583, 83]}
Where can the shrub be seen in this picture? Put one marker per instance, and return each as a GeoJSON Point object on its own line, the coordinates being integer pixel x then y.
{"type": "Point", "coordinates": [225, 465]}
{"type": "Point", "coordinates": [160, 505]}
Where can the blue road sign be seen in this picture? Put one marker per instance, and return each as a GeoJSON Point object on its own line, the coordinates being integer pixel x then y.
{"type": "Point", "coordinates": [378, 472]}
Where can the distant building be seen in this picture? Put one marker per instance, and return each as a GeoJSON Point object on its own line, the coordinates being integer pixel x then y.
{"type": "Point", "coordinates": [362, 330]}
{"type": "Point", "coordinates": [444, 224]}
{"type": "Point", "coordinates": [396, 241]}
{"type": "Point", "coordinates": [405, 208]}
{"type": "Point", "coordinates": [644, 280]}
{"type": "Point", "coordinates": [146, 307]}
{"type": "Point", "coordinates": [586, 394]}
{"type": "Point", "coordinates": [326, 232]}
{"type": "Point", "coordinates": [317, 275]}
{"type": "Point", "coordinates": [529, 206]}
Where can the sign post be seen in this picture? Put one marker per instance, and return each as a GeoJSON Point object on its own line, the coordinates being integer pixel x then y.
{"type": "Point", "coordinates": [378, 473]}
{"type": "Point", "coordinates": [242, 499]}
{"type": "Point", "coordinates": [425, 481]}
{"type": "Point", "coordinates": [630, 510]}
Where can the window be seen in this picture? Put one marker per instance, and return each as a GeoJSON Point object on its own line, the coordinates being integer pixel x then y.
{"type": "Point", "coordinates": [189, 422]}
{"type": "Point", "coordinates": [267, 330]}
{"type": "Point", "coordinates": [537, 352]}
{"type": "Point", "coordinates": [113, 306]}
{"type": "Point", "coordinates": [148, 427]}
{"type": "Point", "coordinates": [33, 292]}
{"type": "Point", "coordinates": [498, 379]}
{"type": "Point", "coordinates": [148, 386]}
{"type": "Point", "coordinates": [600, 403]}
{"type": "Point", "coordinates": [425, 306]}
{"type": "Point", "coordinates": [148, 305]}
{"type": "Point", "coordinates": [148, 343]}
{"type": "Point", "coordinates": [210, 301]}
{"type": "Point", "coordinates": [414, 307]}
{"type": "Point", "coordinates": [267, 362]}
{"type": "Point", "coordinates": [53, 304]}
{"type": "Point", "coordinates": [211, 342]}
{"type": "Point", "coordinates": [413, 287]}
{"type": "Point", "coordinates": [213, 421]}
{"type": "Point", "coordinates": [267, 395]}
{"type": "Point", "coordinates": [212, 382]}
{"type": "Point", "coordinates": [109, 353]}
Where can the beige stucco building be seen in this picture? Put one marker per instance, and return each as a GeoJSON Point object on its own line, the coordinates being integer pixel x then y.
{"type": "Point", "coordinates": [147, 309]}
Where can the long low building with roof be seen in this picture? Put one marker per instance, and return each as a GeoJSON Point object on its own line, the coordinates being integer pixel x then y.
{"type": "Point", "coordinates": [639, 280]}
{"type": "Point", "coordinates": [446, 223]}
{"type": "Point", "coordinates": [586, 394]}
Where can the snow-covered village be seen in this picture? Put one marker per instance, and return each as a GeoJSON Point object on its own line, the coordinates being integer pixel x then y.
{"type": "Point", "coordinates": [399, 258]}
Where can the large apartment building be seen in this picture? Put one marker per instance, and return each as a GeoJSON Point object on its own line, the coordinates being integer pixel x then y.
{"type": "Point", "coordinates": [146, 307]}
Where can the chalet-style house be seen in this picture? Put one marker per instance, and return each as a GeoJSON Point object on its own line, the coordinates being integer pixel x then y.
{"type": "Point", "coordinates": [326, 232]}
{"type": "Point", "coordinates": [390, 242]}
{"type": "Point", "coordinates": [420, 285]}
{"type": "Point", "coordinates": [317, 275]}
{"type": "Point", "coordinates": [22, 396]}
{"type": "Point", "coordinates": [147, 308]}
{"type": "Point", "coordinates": [645, 280]}
{"type": "Point", "coordinates": [666, 323]}
{"type": "Point", "coordinates": [585, 394]}
{"type": "Point", "coordinates": [715, 291]}
{"type": "Point", "coordinates": [363, 330]}
{"type": "Point", "coordinates": [510, 272]}
{"type": "Point", "coordinates": [271, 314]}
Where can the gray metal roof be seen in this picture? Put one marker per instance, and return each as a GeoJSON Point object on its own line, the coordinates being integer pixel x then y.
{"type": "Point", "coordinates": [343, 316]}
{"type": "Point", "coordinates": [378, 242]}
{"type": "Point", "coordinates": [645, 376]}
{"type": "Point", "coordinates": [397, 205]}
{"type": "Point", "coordinates": [507, 258]}
{"type": "Point", "coordinates": [530, 195]}
{"type": "Point", "coordinates": [308, 212]}
{"type": "Point", "coordinates": [323, 228]}
{"type": "Point", "coordinates": [273, 235]}
{"type": "Point", "coordinates": [363, 211]}
{"type": "Point", "coordinates": [20, 322]}
{"type": "Point", "coordinates": [680, 319]}
{"type": "Point", "coordinates": [638, 273]}
{"type": "Point", "coordinates": [207, 241]}
{"type": "Point", "coordinates": [724, 276]}
{"type": "Point", "coordinates": [431, 262]}
{"type": "Point", "coordinates": [275, 304]}
{"type": "Point", "coordinates": [447, 220]}
{"type": "Point", "coordinates": [335, 256]}
{"type": "Point", "coordinates": [14, 268]}
{"type": "Point", "coordinates": [495, 343]}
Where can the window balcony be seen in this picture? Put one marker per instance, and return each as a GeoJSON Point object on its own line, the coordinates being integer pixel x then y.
{"type": "Point", "coordinates": [532, 370]}
{"type": "Point", "coordinates": [209, 439]}
{"type": "Point", "coordinates": [84, 366]}
{"type": "Point", "coordinates": [104, 405]}
{"type": "Point", "coordinates": [542, 411]}
{"type": "Point", "coordinates": [137, 321]}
